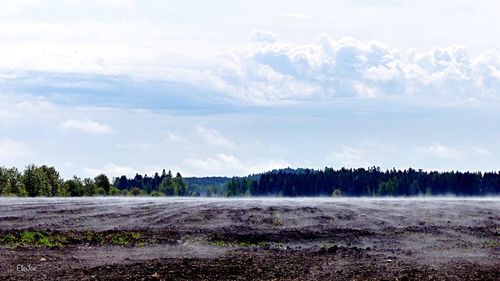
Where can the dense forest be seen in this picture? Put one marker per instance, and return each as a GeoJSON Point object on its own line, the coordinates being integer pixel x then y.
{"type": "Point", "coordinates": [365, 182]}
{"type": "Point", "coordinates": [46, 181]}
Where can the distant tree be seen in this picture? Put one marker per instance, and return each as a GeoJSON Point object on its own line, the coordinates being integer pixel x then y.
{"type": "Point", "coordinates": [167, 186]}
{"type": "Point", "coordinates": [157, 194]}
{"type": "Point", "coordinates": [74, 186]}
{"type": "Point", "coordinates": [52, 179]}
{"type": "Point", "coordinates": [390, 187]}
{"type": "Point", "coordinates": [46, 181]}
{"type": "Point", "coordinates": [414, 188]}
{"type": "Point", "coordinates": [337, 193]}
{"type": "Point", "coordinates": [36, 182]}
{"type": "Point", "coordinates": [102, 181]}
{"type": "Point", "coordinates": [121, 183]}
{"type": "Point", "coordinates": [136, 191]}
{"type": "Point", "coordinates": [180, 185]}
{"type": "Point", "coordinates": [113, 191]}
{"type": "Point", "coordinates": [89, 187]}
{"type": "Point", "coordinates": [62, 191]}
{"type": "Point", "coordinates": [100, 191]}
{"type": "Point", "coordinates": [240, 187]}
{"type": "Point", "coordinates": [10, 182]}
{"type": "Point", "coordinates": [428, 191]}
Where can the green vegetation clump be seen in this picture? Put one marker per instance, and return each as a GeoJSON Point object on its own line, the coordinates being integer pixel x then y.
{"type": "Point", "coordinates": [126, 238]}
{"type": "Point", "coordinates": [261, 244]}
{"type": "Point", "coordinates": [337, 193]}
{"type": "Point", "coordinates": [277, 219]}
{"type": "Point", "coordinates": [9, 239]}
{"type": "Point", "coordinates": [30, 238]}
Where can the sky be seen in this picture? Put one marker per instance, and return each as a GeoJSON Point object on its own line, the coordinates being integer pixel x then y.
{"type": "Point", "coordinates": [238, 87]}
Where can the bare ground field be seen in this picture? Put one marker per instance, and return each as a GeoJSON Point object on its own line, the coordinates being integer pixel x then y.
{"type": "Point", "coordinates": [249, 239]}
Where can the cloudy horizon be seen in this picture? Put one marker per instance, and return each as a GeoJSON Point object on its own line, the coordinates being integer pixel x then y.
{"type": "Point", "coordinates": [234, 88]}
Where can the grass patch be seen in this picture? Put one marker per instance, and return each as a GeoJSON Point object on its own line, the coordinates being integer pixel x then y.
{"type": "Point", "coordinates": [261, 244]}
{"type": "Point", "coordinates": [126, 238]}
{"type": "Point", "coordinates": [30, 238]}
{"type": "Point", "coordinates": [39, 238]}
{"type": "Point", "coordinates": [9, 239]}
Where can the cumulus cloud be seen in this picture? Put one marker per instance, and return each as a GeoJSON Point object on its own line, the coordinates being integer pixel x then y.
{"type": "Point", "coordinates": [86, 126]}
{"type": "Point", "coordinates": [10, 149]}
{"type": "Point", "coordinates": [213, 137]}
{"type": "Point", "coordinates": [348, 67]}
{"type": "Point", "coordinates": [441, 151]}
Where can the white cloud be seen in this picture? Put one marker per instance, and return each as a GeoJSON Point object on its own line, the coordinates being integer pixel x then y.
{"type": "Point", "coordinates": [263, 36]}
{"type": "Point", "coordinates": [175, 137]}
{"type": "Point", "coordinates": [23, 107]}
{"type": "Point", "coordinates": [86, 126]}
{"type": "Point", "coordinates": [213, 137]}
{"type": "Point", "coordinates": [441, 151]}
{"type": "Point", "coordinates": [349, 156]}
{"type": "Point", "coordinates": [365, 154]}
{"type": "Point", "coordinates": [111, 170]}
{"type": "Point", "coordinates": [483, 152]}
{"type": "Point", "coordinates": [10, 149]}
{"type": "Point", "coordinates": [138, 146]}
{"type": "Point", "coordinates": [224, 164]}
{"type": "Point", "coordinates": [328, 69]}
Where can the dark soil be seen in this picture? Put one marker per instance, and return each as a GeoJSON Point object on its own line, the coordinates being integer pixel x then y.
{"type": "Point", "coordinates": [253, 240]}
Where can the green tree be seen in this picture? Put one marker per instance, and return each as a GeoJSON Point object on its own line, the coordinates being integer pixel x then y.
{"type": "Point", "coordinates": [62, 191]}
{"type": "Point", "coordinates": [100, 191]}
{"type": "Point", "coordinates": [157, 194]}
{"type": "Point", "coordinates": [89, 187]}
{"type": "Point", "coordinates": [337, 193]}
{"type": "Point", "coordinates": [136, 191]}
{"type": "Point", "coordinates": [390, 187]}
{"type": "Point", "coordinates": [102, 181]}
{"type": "Point", "coordinates": [414, 188]}
{"type": "Point", "coordinates": [53, 180]}
{"type": "Point", "coordinates": [41, 181]}
{"type": "Point", "coordinates": [10, 181]}
{"type": "Point", "coordinates": [428, 191]}
{"type": "Point", "coordinates": [167, 185]}
{"type": "Point", "coordinates": [35, 182]}
{"type": "Point", "coordinates": [6, 188]}
{"type": "Point", "coordinates": [113, 191]}
{"type": "Point", "coordinates": [74, 186]}
{"type": "Point", "coordinates": [180, 186]}
{"type": "Point", "coordinates": [22, 191]}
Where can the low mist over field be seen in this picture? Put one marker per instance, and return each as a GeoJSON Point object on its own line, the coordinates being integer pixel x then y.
{"type": "Point", "coordinates": [249, 140]}
{"type": "Point", "coordinates": [305, 238]}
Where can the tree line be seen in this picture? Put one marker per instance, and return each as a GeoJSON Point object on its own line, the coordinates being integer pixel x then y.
{"type": "Point", "coordinates": [46, 181]}
{"type": "Point", "coordinates": [365, 182]}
